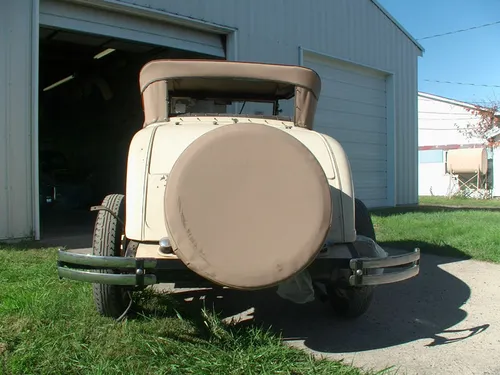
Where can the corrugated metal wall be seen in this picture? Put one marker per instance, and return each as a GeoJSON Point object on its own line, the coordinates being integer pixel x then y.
{"type": "Point", "coordinates": [16, 207]}
{"type": "Point", "coordinates": [356, 30]}
{"type": "Point", "coordinates": [268, 31]}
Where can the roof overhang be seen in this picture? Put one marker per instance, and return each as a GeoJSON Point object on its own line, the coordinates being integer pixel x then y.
{"type": "Point", "coordinates": [452, 101]}
{"type": "Point", "coordinates": [393, 20]}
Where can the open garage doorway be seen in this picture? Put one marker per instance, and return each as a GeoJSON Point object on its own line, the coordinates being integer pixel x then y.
{"type": "Point", "coordinates": [89, 109]}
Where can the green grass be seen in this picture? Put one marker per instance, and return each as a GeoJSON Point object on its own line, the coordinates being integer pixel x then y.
{"type": "Point", "coordinates": [464, 228]}
{"type": "Point", "coordinates": [49, 326]}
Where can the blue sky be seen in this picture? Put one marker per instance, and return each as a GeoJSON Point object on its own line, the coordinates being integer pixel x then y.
{"type": "Point", "coordinates": [468, 57]}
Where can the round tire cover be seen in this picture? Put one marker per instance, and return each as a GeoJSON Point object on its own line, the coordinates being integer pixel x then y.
{"type": "Point", "coordinates": [247, 206]}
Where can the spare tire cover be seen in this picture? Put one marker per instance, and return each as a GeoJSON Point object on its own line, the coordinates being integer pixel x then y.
{"type": "Point", "coordinates": [247, 206]}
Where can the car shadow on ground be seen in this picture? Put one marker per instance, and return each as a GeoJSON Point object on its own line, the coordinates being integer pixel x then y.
{"type": "Point", "coordinates": [425, 307]}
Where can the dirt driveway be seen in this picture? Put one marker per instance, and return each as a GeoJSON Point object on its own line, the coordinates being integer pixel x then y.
{"type": "Point", "coordinates": [446, 321]}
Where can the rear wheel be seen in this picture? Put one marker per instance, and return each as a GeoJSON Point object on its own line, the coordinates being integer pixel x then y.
{"type": "Point", "coordinates": [348, 301]}
{"type": "Point", "coordinates": [109, 234]}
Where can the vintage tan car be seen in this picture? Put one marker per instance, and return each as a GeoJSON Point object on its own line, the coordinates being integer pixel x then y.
{"type": "Point", "coordinates": [244, 201]}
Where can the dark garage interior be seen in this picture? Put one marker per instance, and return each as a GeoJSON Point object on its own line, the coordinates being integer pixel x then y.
{"type": "Point", "coordinates": [89, 109]}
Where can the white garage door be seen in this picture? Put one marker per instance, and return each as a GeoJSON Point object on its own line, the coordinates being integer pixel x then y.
{"type": "Point", "coordinates": [352, 109]}
{"type": "Point", "coordinates": [126, 25]}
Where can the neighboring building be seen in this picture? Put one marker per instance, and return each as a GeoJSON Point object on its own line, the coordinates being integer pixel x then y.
{"type": "Point", "coordinates": [367, 61]}
{"type": "Point", "coordinates": [439, 119]}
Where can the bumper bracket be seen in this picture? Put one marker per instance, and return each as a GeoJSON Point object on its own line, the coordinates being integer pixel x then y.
{"type": "Point", "coordinates": [362, 269]}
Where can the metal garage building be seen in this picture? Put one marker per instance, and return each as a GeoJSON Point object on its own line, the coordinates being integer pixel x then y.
{"type": "Point", "coordinates": [367, 61]}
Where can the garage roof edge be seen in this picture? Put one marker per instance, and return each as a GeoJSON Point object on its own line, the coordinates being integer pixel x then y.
{"type": "Point", "coordinates": [453, 101]}
{"type": "Point", "coordinates": [162, 14]}
{"type": "Point", "coordinates": [388, 15]}
{"type": "Point", "coordinates": [204, 25]}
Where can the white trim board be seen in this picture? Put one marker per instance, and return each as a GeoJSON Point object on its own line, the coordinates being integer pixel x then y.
{"type": "Point", "coordinates": [35, 31]}
{"type": "Point", "coordinates": [131, 25]}
{"type": "Point", "coordinates": [158, 14]}
{"type": "Point", "coordinates": [390, 115]}
{"type": "Point", "coordinates": [443, 99]}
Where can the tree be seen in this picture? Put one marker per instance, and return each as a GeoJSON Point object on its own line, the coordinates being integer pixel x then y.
{"type": "Point", "coordinates": [488, 119]}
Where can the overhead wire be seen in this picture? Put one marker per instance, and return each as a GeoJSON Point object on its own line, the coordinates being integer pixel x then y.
{"type": "Point", "coordinates": [443, 129]}
{"type": "Point", "coordinates": [456, 83]}
{"type": "Point", "coordinates": [444, 118]}
{"type": "Point", "coordinates": [456, 32]}
{"type": "Point", "coordinates": [446, 113]}
{"type": "Point", "coordinates": [462, 83]}
{"type": "Point", "coordinates": [460, 31]}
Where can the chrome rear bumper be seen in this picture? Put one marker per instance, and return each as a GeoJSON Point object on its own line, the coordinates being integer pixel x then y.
{"type": "Point", "coordinates": [148, 271]}
{"type": "Point", "coordinates": [361, 267]}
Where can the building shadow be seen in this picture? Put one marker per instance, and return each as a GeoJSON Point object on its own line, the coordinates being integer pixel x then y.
{"type": "Point", "coordinates": [75, 242]}
{"type": "Point", "coordinates": [441, 249]}
{"type": "Point", "coordinates": [62, 229]}
{"type": "Point", "coordinates": [427, 208]}
{"type": "Point", "coordinates": [71, 230]}
{"type": "Point", "coordinates": [425, 307]}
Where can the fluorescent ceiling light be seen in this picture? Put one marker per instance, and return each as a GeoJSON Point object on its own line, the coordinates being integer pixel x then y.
{"type": "Point", "coordinates": [104, 53]}
{"type": "Point", "coordinates": [64, 80]}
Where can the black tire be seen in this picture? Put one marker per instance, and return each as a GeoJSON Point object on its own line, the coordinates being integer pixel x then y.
{"type": "Point", "coordinates": [363, 220]}
{"type": "Point", "coordinates": [110, 300]}
{"type": "Point", "coordinates": [348, 301]}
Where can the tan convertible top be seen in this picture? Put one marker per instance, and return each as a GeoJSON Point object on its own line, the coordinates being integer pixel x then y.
{"type": "Point", "coordinates": [236, 79]}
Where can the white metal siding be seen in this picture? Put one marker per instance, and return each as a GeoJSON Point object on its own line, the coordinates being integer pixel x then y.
{"type": "Point", "coordinates": [83, 18]}
{"type": "Point", "coordinates": [438, 122]}
{"type": "Point", "coordinates": [355, 30]}
{"type": "Point", "coordinates": [353, 109]}
{"type": "Point", "coordinates": [433, 180]}
{"type": "Point", "coordinates": [16, 205]}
